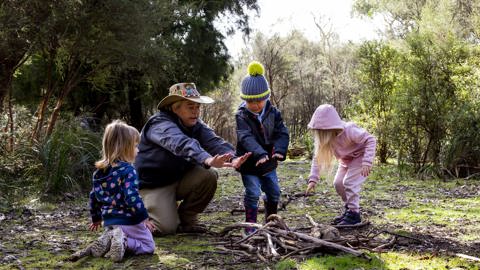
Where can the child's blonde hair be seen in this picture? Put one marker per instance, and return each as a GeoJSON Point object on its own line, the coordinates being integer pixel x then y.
{"type": "Point", "coordinates": [324, 139]}
{"type": "Point", "coordinates": [119, 142]}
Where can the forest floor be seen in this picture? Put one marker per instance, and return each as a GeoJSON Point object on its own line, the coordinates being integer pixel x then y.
{"type": "Point", "coordinates": [439, 219]}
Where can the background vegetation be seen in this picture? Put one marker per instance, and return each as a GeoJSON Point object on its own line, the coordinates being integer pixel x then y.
{"type": "Point", "coordinates": [69, 67]}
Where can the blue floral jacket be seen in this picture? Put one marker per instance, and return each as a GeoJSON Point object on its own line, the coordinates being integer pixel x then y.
{"type": "Point", "coordinates": [114, 196]}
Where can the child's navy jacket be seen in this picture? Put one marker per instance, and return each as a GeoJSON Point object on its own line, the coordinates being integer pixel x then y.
{"type": "Point", "coordinates": [263, 138]}
{"type": "Point", "coordinates": [114, 196]}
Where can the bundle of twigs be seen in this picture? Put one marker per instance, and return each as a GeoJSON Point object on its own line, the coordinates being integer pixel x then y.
{"type": "Point", "coordinates": [275, 241]}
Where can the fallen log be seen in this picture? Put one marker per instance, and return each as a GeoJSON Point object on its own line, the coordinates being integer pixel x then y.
{"type": "Point", "coordinates": [386, 245]}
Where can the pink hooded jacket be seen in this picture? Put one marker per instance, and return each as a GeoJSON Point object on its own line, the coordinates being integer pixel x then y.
{"type": "Point", "coordinates": [353, 147]}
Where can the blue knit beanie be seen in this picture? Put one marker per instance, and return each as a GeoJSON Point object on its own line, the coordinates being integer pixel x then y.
{"type": "Point", "coordinates": [254, 86]}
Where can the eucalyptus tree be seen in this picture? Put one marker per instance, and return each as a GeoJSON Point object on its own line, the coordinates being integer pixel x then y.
{"type": "Point", "coordinates": [436, 46]}
{"type": "Point", "coordinates": [270, 51]}
{"type": "Point", "coordinates": [130, 52]}
{"type": "Point", "coordinates": [187, 45]}
{"type": "Point", "coordinates": [20, 23]}
{"type": "Point", "coordinates": [378, 76]}
{"type": "Point", "coordinates": [404, 16]}
{"type": "Point", "coordinates": [183, 44]}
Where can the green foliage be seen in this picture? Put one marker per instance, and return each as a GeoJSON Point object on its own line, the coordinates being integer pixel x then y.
{"type": "Point", "coordinates": [414, 93]}
{"type": "Point", "coordinates": [377, 73]}
{"type": "Point", "coordinates": [20, 23]}
{"type": "Point", "coordinates": [66, 158]}
{"type": "Point", "coordinates": [13, 164]}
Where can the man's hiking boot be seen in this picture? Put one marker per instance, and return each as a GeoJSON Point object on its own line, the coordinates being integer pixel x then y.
{"type": "Point", "coordinates": [270, 209]}
{"type": "Point", "coordinates": [192, 228]}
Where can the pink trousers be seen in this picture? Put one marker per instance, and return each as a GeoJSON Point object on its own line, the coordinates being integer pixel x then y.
{"type": "Point", "coordinates": [348, 182]}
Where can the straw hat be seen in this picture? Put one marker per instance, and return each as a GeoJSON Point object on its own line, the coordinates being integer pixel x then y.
{"type": "Point", "coordinates": [183, 91]}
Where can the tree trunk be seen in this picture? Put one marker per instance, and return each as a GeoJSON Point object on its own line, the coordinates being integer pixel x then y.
{"type": "Point", "coordinates": [56, 111]}
{"type": "Point", "coordinates": [11, 139]}
{"type": "Point", "coordinates": [44, 103]}
{"type": "Point", "coordinates": [73, 77]}
{"type": "Point", "coordinates": [5, 86]}
{"type": "Point", "coordinates": [134, 101]}
{"type": "Point", "coordinates": [382, 151]}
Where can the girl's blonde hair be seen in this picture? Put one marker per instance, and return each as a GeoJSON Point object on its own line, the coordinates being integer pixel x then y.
{"type": "Point", "coordinates": [324, 139]}
{"type": "Point", "coordinates": [119, 143]}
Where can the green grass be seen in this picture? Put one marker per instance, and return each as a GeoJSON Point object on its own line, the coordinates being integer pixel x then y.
{"type": "Point", "coordinates": [434, 207]}
{"type": "Point", "coordinates": [390, 260]}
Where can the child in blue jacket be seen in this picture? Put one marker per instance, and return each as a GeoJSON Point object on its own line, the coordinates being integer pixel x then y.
{"type": "Point", "coordinates": [261, 131]}
{"type": "Point", "coordinates": [115, 199]}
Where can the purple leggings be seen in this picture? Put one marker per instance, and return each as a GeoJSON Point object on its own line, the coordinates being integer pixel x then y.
{"type": "Point", "coordinates": [139, 239]}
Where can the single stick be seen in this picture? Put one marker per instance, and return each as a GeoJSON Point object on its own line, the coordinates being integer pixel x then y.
{"type": "Point", "coordinates": [310, 219]}
{"type": "Point", "coordinates": [270, 244]}
{"type": "Point", "coordinates": [246, 238]}
{"type": "Point", "coordinates": [400, 235]}
{"type": "Point", "coordinates": [277, 220]}
{"type": "Point", "coordinates": [390, 243]}
{"type": "Point", "coordinates": [297, 251]}
{"type": "Point", "coordinates": [250, 248]}
{"type": "Point", "coordinates": [285, 246]}
{"type": "Point", "coordinates": [240, 225]}
{"type": "Point", "coordinates": [261, 257]}
{"type": "Point", "coordinates": [465, 256]}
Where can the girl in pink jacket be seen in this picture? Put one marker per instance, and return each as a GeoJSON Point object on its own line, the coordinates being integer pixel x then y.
{"type": "Point", "coordinates": [353, 147]}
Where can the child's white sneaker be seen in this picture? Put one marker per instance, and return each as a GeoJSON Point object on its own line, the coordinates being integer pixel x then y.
{"type": "Point", "coordinates": [102, 244]}
{"type": "Point", "coordinates": [117, 247]}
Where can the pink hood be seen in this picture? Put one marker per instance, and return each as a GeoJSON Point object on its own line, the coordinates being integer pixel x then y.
{"type": "Point", "coordinates": [326, 117]}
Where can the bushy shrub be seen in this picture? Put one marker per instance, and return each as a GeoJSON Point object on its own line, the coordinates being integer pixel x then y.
{"type": "Point", "coordinates": [65, 159]}
{"type": "Point", "coordinates": [54, 165]}
{"type": "Point", "coordinates": [14, 162]}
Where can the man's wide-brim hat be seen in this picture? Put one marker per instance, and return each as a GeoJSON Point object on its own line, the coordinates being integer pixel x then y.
{"type": "Point", "coordinates": [183, 91]}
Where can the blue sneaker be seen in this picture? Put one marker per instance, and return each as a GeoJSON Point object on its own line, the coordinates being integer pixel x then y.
{"type": "Point", "coordinates": [340, 217]}
{"type": "Point", "coordinates": [351, 218]}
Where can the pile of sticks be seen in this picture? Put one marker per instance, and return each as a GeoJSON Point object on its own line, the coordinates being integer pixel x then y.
{"type": "Point", "coordinates": [275, 241]}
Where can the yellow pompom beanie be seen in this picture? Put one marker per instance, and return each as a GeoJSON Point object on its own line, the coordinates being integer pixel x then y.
{"type": "Point", "coordinates": [254, 86]}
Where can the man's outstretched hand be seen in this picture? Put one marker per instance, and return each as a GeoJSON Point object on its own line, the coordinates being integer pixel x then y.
{"type": "Point", "coordinates": [219, 161]}
{"type": "Point", "coordinates": [238, 161]}
{"type": "Point", "coordinates": [225, 160]}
